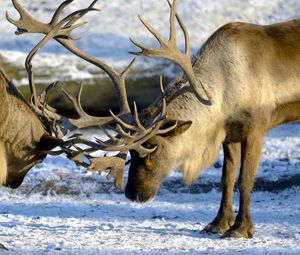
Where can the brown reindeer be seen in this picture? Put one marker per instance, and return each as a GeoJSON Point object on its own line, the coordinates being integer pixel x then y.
{"type": "Point", "coordinates": [251, 76]}
{"type": "Point", "coordinates": [31, 130]}
{"type": "Point", "coordinates": [243, 82]}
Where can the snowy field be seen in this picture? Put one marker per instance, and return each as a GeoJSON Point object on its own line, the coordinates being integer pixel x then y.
{"type": "Point", "coordinates": [61, 209]}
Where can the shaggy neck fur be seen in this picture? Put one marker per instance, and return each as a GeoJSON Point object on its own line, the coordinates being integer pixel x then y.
{"type": "Point", "coordinates": [202, 153]}
{"type": "Point", "coordinates": [199, 146]}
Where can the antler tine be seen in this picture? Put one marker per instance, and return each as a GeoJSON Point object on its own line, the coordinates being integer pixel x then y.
{"type": "Point", "coordinates": [184, 29]}
{"type": "Point", "coordinates": [19, 8]}
{"type": "Point", "coordinates": [115, 165]}
{"type": "Point", "coordinates": [122, 122]}
{"type": "Point", "coordinates": [152, 30]}
{"type": "Point", "coordinates": [26, 23]}
{"type": "Point", "coordinates": [122, 132]}
{"type": "Point", "coordinates": [42, 97]}
{"type": "Point", "coordinates": [161, 85]}
{"type": "Point", "coordinates": [58, 12]}
{"type": "Point", "coordinates": [128, 68]}
{"type": "Point", "coordinates": [169, 50]}
{"type": "Point", "coordinates": [93, 4]}
{"type": "Point", "coordinates": [137, 119]}
{"type": "Point", "coordinates": [172, 22]}
{"type": "Point", "coordinates": [75, 16]}
{"type": "Point", "coordinates": [160, 113]}
{"type": "Point", "coordinates": [76, 101]}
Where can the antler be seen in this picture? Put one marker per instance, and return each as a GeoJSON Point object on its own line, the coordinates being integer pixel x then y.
{"type": "Point", "coordinates": [131, 131]}
{"type": "Point", "coordinates": [132, 136]}
{"type": "Point", "coordinates": [169, 50]}
{"type": "Point", "coordinates": [61, 32]}
{"type": "Point", "coordinates": [114, 164]}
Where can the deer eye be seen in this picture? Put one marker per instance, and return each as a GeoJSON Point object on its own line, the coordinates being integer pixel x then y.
{"type": "Point", "coordinates": [148, 145]}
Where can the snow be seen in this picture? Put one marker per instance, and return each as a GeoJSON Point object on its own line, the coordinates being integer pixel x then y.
{"type": "Point", "coordinates": [107, 224]}
{"type": "Point", "coordinates": [106, 35]}
{"type": "Point", "coordinates": [61, 209]}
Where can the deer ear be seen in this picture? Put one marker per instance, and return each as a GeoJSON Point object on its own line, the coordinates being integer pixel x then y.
{"type": "Point", "coordinates": [181, 127]}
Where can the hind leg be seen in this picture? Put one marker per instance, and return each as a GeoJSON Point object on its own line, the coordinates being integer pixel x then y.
{"type": "Point", "coordinates": [3, 164]}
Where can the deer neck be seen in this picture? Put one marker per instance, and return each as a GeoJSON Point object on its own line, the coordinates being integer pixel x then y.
{"type": "Point", "coordinates": [20, 131]}
{"type": "Point", "coordinates": [204, 142]}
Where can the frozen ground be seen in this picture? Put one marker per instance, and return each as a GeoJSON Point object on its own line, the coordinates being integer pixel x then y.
{"type": "Point", "coordinates": [106, 36]}
{"type": "Point", "coordinates": [60, 209]}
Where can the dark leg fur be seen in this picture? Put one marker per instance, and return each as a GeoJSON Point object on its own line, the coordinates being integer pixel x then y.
{"type": "Point", "coordinates": [225, 216]}
{"type": "Point", "coordinates": [251, 151]}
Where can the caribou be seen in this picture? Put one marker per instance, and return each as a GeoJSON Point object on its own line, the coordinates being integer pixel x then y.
{"type": "Point", "coordinates": [243, 81]}
{"type": "Point", "coordinates": [30, 130]}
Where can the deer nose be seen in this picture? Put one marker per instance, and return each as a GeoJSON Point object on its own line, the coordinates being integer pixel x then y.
{"type": "Point", "coordinates": [130, 193]}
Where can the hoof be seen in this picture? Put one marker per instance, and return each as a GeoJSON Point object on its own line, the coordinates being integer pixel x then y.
{"type": "Point", "coordinates": [219, 226]}
{"type": "Point", "coordinates": [240, 232]}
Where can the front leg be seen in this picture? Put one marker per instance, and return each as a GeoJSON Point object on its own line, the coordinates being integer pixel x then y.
{"type": "Point", "coordinates": [250, 152]}
{"type": "Point", "coordinates": [225, 217]}
{"type": "Point", "coordinates": [3, 164]}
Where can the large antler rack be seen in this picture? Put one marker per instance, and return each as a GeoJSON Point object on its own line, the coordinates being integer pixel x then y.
{"type": "Point", "coordinates": [61, 31]}
{"type": "Point", "coordinates": [169, 50]}
{"type": "Point", "coordinates": [131, 132]}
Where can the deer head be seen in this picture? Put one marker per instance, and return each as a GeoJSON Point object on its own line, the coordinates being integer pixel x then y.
{"type": "Point", "coordinates": [147, 173]}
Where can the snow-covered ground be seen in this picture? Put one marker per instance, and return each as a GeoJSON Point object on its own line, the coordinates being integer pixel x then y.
{"type": "Point", "coordinates": [106, 35]}
{"type": "Point", "coordinates": [61, 209]}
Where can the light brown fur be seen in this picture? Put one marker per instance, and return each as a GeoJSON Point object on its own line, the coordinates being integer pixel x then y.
{"type": "Point", "coordinates": [253, 73]}
{"type": "Point", "coordinates": [3, 164]}
{"type": "Point", "coordinates": [21, 134]}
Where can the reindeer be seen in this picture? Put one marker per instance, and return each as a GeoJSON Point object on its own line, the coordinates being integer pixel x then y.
{"type": "Point", "coordinates": [247, 81]}
{"type": "Point", "coordinates": [243, 82]}
{"type": "Point", "coordinates": [31, 130]}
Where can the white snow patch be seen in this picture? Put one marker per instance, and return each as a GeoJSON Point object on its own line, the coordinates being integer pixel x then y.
{"type": "Point", "coordinates": [60, 209]}
{"type": "Point", "coordinates": [106, 35]}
